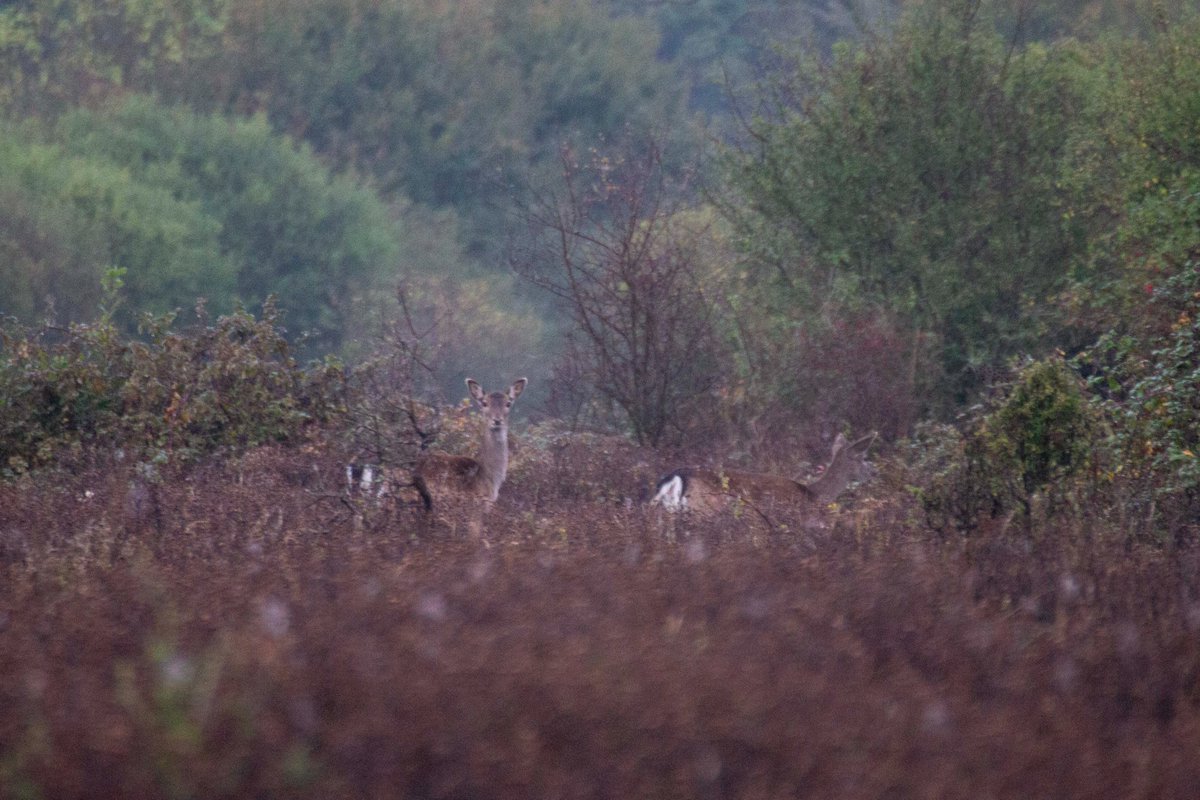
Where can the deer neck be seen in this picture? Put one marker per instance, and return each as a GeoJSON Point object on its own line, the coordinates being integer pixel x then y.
{"type": "Point", "coordinates": [832, 482]}
{"type": "Point", "coordinates": [493, 455]}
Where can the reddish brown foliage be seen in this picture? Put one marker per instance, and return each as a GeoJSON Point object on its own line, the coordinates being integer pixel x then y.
{"type": "Point", "coordinates": [236, 631]}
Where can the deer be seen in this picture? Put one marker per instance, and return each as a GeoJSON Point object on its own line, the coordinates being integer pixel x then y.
{"type": "Point", "coordinates": [444, 479]}
{"type": "Point", "coordinates": [710, 490]}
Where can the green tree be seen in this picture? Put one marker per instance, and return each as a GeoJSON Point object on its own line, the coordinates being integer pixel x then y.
{"type": "Point", "coordinates": [918, 173]}
{"type": "Point", "coordinates": [718, 47]}
{"type": "Point", "coordinates": [291, 228]}
{"type": "Point", "coordinates": [69, 217]}
{"type": "Point", "coordinates": [440, 103]}
{"type": "Point", "coordinates": [1134, 170]}
{"type": "Point", "coordinates": [56, 54]}
{"type": "Point", "coordinates": [1138, 185]}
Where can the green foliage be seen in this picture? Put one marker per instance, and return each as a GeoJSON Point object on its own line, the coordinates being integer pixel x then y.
{"type": "Point", "coordinates": [1028, 441]}
{"type": "Point", "coordinates": [919, 173]}
{"type": "Point", "coordinates": [582, 72]}
{"type": "Point", "coordinates": [189, 207]}
{"type": "Point", "coordinates": [1133, 168]}
{"type": "Point", "coordinates": [1136, 180]}
{"type": "Point", "coordinates": [56, 54]}
{"type": "Point", "coordinates": [1150, 387]}
{"type": "Point", "coordinates": [1084, 19]}
{"type": "Point", "coordinates": [288, 226]}
{"type": "Point", "coordinates": [719, 46]}
{"type": "Point", "coordinates": [441, 103]}
{"type": "Point", "coordinates": [219, 386]}
{"type": "Point", "coordinates": [71, 216]}
{"type": "Point", "coordinates": [1043, 430]}
{"type": "Point", "coordinates": [952, 496]}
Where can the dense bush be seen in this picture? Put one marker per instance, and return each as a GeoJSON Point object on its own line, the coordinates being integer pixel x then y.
{"type": "Point", "coordinates": [919, 172]}
{"type": "Point", "coordinates": [1135, 170]}
{"type": "Point", "coordinates": [188, 207]}
{"type": "Point", "coordinates": [441, 104]}
{"type": "Point", "coordinates": [1149, 385]}
{"type": "Point", "coordinates": [1028, 441]}
{"type": "Point", "coordinates": [221, 386]}
{"type": "Point", "coordinates": [1142, 177]}
{"type": "Point", "coordinates": [55, 56]}
{"type": "Point", "coordinates": [69, 216]}
{"type": "Point", "coordinates": [247, 636]}
{"type": "Point", "coordinates": [291, 228]}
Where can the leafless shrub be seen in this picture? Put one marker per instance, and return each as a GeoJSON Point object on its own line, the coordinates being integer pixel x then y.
{"type": "Point", "coordinates": [603, 242]}
{"type": "Point", "coordinates": [388, 425]}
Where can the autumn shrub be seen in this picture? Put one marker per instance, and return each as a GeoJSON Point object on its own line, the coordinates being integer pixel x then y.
{"type": "Point", "coordinates": [252, 640]}
{"type": "Point", "coordinates": [223, 385]}
{"type": "Point", "coordinates": [554, 462]}
{"type": "Point", "coordinates": [1025, 442]}
{"type": "Point", "coordinates": [857, 368]}
{"type": "Point", "coordinates": [385, 425]}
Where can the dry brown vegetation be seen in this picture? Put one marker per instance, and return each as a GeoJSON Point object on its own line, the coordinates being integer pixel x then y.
{"type": "Point", "coordinates": [239, 630]}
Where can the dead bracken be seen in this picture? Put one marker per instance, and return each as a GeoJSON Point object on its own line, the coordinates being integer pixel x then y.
{"type": "Point", "coordinates": [247, 638]}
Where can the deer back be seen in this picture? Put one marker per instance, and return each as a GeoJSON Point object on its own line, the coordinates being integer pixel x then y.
{"type": "Point", "coordinates": [444, 473]}
{"type": "Point", "coordinates": [703, 489]}
{"type": "Point", "coordinates": [710, 490]}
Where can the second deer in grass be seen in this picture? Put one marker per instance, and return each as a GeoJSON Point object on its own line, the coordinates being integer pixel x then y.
{"type": "Point", "coordinates": [711, 490]}
{"type": "Point", "coordinates": [443, 479]}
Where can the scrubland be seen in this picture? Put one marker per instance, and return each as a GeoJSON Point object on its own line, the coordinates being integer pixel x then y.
{"type": "Point", "coordinates": [724, 231]}
{"type": "Point", "coordinates": [241, 628]}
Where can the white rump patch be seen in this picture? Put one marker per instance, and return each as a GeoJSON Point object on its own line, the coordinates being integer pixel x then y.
{"type": "Point", "coordinates": [363, 479]}
{"type": "Point", "coordinates": [670, 494]}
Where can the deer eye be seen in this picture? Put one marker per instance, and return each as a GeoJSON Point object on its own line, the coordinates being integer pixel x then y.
{"type": "Point", "coordinates": [508, 404]}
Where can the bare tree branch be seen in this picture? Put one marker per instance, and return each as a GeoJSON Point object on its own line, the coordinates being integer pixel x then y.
{"type": "Point", "coordinates": [603, 242]}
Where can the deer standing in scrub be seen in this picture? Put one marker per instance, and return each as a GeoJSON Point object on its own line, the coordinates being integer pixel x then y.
{"type": "Point", "coordinates": [443, 479]}
{"type": "Point", "coordinates": [708, 490]}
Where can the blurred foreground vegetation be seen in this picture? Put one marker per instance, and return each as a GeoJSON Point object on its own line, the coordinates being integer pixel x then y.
{"type": "Point", "coordinates": [243, 627]}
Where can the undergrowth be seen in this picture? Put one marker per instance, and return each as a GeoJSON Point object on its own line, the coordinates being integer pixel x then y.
{"type": "Point", "coordinates": [193, 605]}
{"type": "Point", "coordinates": [242, 629]}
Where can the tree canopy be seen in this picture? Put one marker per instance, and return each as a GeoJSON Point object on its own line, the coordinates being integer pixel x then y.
{"type": "Point", "coordinates": [932, 188]}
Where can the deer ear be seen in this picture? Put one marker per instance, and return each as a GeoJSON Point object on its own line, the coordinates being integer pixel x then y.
{"type": "Point", "coordinates": [517, 387]}
{"type": "Point", "coordinates": [839, 442]}
{"type": "Point", "coordinates": [475, 389]}
{"type": "Point", "coordinates": [863, 444]}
